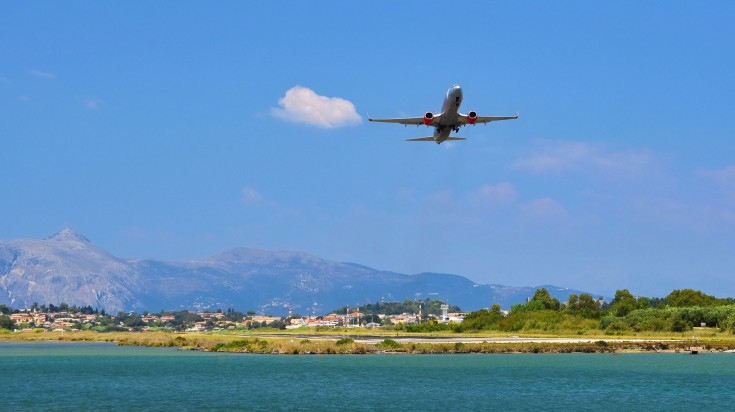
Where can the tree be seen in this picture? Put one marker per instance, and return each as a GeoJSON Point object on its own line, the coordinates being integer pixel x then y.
{"type": "Point", "coordinates": [623, 303]}
{"type": "Point", "coordinates": [680, 325]}
{"type": "Point", "coordinates": [495, 309]}
{"type": "Point", "coordinates": [234, 316]}
{"type": "Point", "coordinates": [588, 307]}
{"type": "Point", "coordinates": [542, 297]}
{"type": "Point", "coordinates": [643, 303]}
{"type": "Point", "coordinates": [482, 319]}
{"type": "Point", "coordinates": [691, 297]}
{"type": "Point", "coordinates": [6, 322]}
{"type": "Point", "coordinates": [622, 295]}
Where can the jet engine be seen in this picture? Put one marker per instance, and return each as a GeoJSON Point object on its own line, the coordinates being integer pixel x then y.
{"type": "Point", "coordinates": [471, 117]}
{"type": "Point", "coordinates": [428, 118]}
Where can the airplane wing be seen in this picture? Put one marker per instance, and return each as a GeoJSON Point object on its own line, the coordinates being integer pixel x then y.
{"type": "Point", "coordinates": [415, 121]}
{"type": "Point", "coordinates": [462, 120]}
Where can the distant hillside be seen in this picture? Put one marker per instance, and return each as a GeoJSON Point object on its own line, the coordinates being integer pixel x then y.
{"type": "Point", "coordinates": [67, 267]}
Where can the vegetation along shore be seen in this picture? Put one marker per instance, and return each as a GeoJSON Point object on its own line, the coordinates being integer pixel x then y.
{"type": "Point", "coordinates": [684, 321]}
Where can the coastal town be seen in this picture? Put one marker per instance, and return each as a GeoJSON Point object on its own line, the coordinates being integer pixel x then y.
{"type": "Point", "coordinates": [64, 318]}
{"type": "Point", "coordinates": [678, 312]}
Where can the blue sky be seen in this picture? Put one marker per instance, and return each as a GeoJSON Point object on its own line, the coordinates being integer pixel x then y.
{"type": "Point", "coordinates": [167, 130]}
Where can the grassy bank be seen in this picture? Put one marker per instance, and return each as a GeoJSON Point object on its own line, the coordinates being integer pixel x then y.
{"type": "Point", "coordinates": [293, 344]}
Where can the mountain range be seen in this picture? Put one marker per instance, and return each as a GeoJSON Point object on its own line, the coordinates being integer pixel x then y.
{"type": "Point", "coordinates": [68, 267]}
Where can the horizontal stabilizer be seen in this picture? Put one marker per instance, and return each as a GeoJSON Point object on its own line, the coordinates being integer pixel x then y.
{"type": "Point", "coordinates": [431, 139]}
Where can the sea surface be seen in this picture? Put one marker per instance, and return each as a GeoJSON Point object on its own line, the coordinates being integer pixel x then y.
{"type": "Point", "coordinates": [105, 377]}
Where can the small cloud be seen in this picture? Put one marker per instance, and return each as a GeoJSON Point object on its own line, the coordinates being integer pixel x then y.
{"type": "Point", "coordinates": [725, 178]}
{"type": "Point", "coordinates": [560, 157]}
{"type": "Point", "coordinates": [544, 208]}
{"type": "Point", "coordinates": [303, 105]}
{"type": "Point", "coordinates": [441, 200]}
{"type": "Point", "coordinates": [251, 196]}
{"type": "Point", "coordinates": [93, 103]}
{"type": "Point", "coordinates": [41, 74]}
{"type": "Point", "coordinates": [500, 193]}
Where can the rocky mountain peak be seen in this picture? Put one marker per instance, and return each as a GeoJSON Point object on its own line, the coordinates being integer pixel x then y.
{"type": "Point", "coordinates": [69, 234]}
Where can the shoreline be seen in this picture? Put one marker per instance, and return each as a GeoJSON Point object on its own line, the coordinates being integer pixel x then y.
{"type": "Point", "coordinates": [306, 344]}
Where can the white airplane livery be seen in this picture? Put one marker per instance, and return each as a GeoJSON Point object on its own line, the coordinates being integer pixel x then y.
{"type": "Point", "coordinates": [450, 119]}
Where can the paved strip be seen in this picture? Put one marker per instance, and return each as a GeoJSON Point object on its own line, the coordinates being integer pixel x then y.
{"type": "Point", "coordinates": [505, 340]}
{"type": "Point", "coordinates": [374, 339]}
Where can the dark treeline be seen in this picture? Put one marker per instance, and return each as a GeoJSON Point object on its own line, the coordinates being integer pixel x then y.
{"type": "Point", "coordinates": [680, 311]}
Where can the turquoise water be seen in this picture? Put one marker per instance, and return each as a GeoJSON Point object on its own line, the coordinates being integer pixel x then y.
{"type": "Point", "coordinates": [84, 376]}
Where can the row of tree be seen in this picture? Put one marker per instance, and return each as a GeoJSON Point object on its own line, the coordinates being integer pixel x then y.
{"type": "Point", "coordinates": [680, 311]}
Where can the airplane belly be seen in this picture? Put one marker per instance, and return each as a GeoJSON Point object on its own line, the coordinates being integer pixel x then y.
{"type": "Point", "coordinates": [440, 136]}
{"type": "Point", "coordinates": [449, 119]}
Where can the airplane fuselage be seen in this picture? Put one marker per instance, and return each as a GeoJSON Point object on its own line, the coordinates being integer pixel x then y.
{"type": "Point", "coordinates": [450, 114]}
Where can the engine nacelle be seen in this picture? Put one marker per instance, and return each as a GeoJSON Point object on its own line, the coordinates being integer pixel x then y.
{"type": "Point", "coordinates": [428, 118]}
{"type": "Point", "coordinates": [471, 117]}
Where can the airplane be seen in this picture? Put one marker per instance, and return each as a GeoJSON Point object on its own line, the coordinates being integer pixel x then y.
{"type": "Point", "coordinates": [450, 119]}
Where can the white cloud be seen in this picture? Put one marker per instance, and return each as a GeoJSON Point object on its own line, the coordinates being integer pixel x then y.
{"type": "Point", "coordinates": [41, 74]}
{"type": "Point", "coordinates": [92, 103]}
{"type": "Point", "coordinates": [561, 156]}
{"type": "Point", "coordinates": [725, 178]}
{"type": "Point", "coordinates": [544, 208]}
{"type": "Point", "coordinates": [500, 193]}
{"type": "Point", "coordinates": [302, 105]}
{"type": "Point", "coordinates": [441, 200]}
{"type": "Point", "coordinates": [251, 196]}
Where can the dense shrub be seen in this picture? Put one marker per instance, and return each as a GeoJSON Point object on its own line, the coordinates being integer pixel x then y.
{"type": "Point", "coordinates": [618, 326]}
{"type": "Point", "coordinates": [388, 344]}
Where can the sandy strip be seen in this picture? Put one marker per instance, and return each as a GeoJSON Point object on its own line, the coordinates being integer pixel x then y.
{"type": "Point", "coordinates": [507, 340]}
